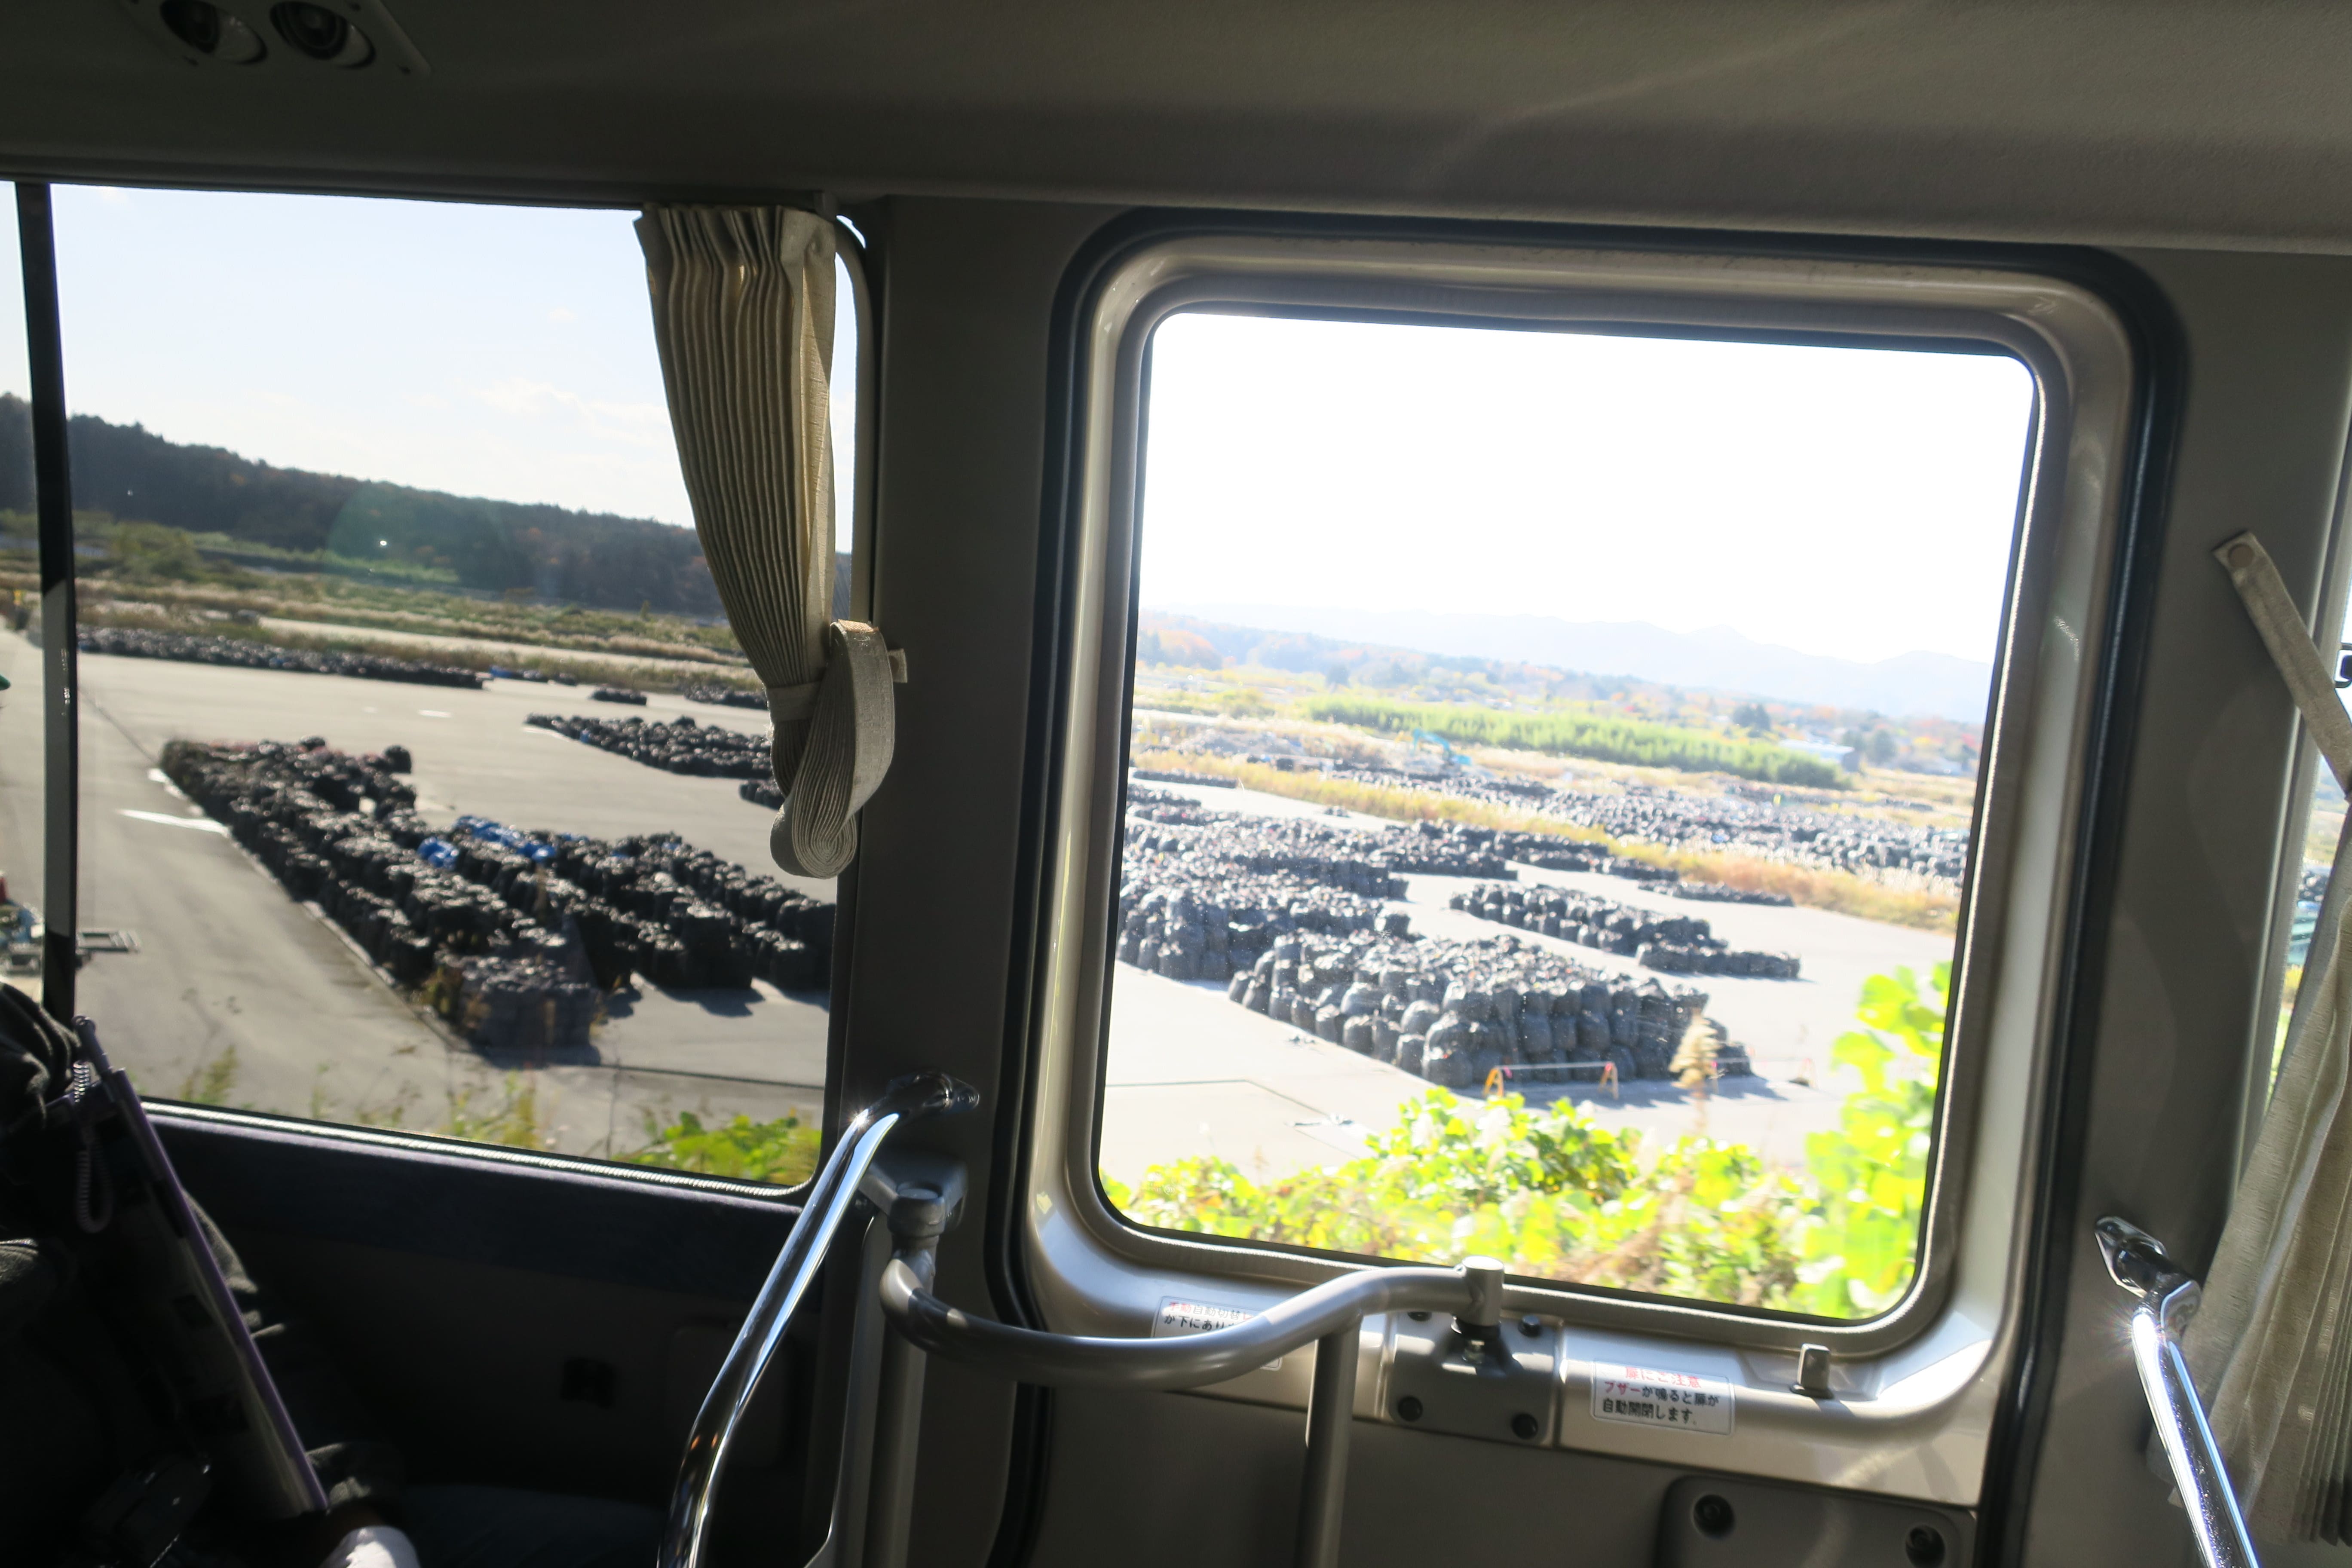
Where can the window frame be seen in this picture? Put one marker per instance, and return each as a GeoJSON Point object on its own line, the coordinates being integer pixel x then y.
{"type": "Point", "coordinates": [42, 308]}
{"type": "Point", "coordinates": [1087, 1268]}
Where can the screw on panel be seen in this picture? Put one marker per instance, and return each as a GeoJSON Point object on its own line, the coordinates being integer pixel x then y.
{"type": "Point", "coordinates": [1408, 1408]}
{"type": "Point", "coordinates": [1713, 1516]}
{"type": "Point", "coordinates": [1923, 1546]}
{"type": "Point", "coordinates": [1526, 1426]}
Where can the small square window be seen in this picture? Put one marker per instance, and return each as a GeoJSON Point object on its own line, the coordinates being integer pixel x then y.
{"type": "Point", "coordinates": [1551, 778]}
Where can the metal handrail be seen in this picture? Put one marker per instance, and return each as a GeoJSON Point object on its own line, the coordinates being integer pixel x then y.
{"type": "Point", "coordinates": [1191, 1361]}
{"type": "Point", "coordinates": [796, 1266]}
{"type": "Point", "coordinates": [2168, 1299]}
{"type": "Point", "coordinates": [1331, 1315]}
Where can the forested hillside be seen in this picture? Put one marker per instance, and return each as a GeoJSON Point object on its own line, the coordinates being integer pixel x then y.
{"type": "Point", "coordinates": [587, 558]}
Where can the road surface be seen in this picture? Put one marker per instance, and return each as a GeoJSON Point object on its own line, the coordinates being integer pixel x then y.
{"type": "Point", "coordinates": [242, 995]}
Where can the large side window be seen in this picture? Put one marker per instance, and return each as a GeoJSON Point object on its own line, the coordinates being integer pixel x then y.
{"type": "Point", "coordinates": [424, 785]}
{"type": "Point", "coordinates": [22, 750]}
{"type": "Point", "coordinates": [1551, 778]}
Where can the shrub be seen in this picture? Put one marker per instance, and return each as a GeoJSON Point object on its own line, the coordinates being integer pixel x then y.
{"type": "Point", "coordinates": [782, 1152]}
{"type": "Point", "coordinates": [1606, 740]}
{"type": "Point", "coordinates": [1872, 1172]}
{"type": "Point", "coordinates": [1556, 1195]}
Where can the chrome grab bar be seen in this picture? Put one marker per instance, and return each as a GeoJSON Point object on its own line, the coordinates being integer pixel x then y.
{"type": "Point", "coordinates": [2168, 1299]}
{"type": "Point", "coordinates": [1193, 1361]}
{"type": "Point", "coordinates": [1331, 1314]}
{"type": "Point", "coordinates": [916, 1095]}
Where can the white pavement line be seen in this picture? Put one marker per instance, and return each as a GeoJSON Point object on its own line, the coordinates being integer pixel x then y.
{"type": "Point", "coordinates": [431, 713]}
{"type": "Point", "coordinates": [200, 824]}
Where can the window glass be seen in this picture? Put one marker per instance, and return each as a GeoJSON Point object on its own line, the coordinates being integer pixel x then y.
{"type": "Point", "coordinates": [1550, 784]}
{"type": "Point", "coordinates": [21, 745]}
{"type": "Point", "coordinates": [423, 785]}
{"type": "Point", "coordinates": [2322, 826]}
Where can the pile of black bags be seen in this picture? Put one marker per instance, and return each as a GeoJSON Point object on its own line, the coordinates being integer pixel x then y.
{"type": "Point", "coordinates": [680, 746]}
{"type": "Point", "coordinates": [1673, 944]}
{"type": "Point", "coordinates": [1453, 1012]}
{"type": "Point", "coordinates": [512, 935]}
{"type": "Point", "coordinates": [128, 642]}
{"type": "Point", "coordinates": [720, 696]}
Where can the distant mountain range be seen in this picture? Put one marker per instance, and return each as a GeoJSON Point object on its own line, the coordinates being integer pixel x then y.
{"type": "Point", "coordinates": [1716, 658]}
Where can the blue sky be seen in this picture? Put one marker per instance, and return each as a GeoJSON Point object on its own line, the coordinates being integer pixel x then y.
{"type": "Point", "coordinates": [502, 352]}
{"type": "Point", "coordinates": [1842, 502]}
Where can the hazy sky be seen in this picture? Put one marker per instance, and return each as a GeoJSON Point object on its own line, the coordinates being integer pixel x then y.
{"type": "Point", "coordinates": [1857, 504]}
{"type": "Point", "coordinates": [1842, 502]}
{"type": "Point", "coordinates": [501, 352]}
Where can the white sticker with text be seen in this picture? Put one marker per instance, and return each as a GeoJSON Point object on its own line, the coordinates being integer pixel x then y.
{"type": "Point", "coordinates": [1647, 1397]}
{"type": "Point", "coordinates": [1179, 1317]}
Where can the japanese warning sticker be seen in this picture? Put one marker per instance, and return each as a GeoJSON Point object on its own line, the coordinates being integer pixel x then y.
{"type": "Point", "coordinates": [1179, 1317]}
{"type": "Point", "coordinates": [1648, 1397]}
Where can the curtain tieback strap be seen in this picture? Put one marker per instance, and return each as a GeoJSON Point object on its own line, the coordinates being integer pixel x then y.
{"type": "Point", "coordinates": [852, 731]}
{"type": "Point", "coordinates": [2298, 658]}
{"type": "Point", "coordinates": [789, 702]}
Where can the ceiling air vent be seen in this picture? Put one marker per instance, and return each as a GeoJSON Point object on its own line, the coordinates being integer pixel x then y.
{"type": "Point", "coordinates": [292, 35]}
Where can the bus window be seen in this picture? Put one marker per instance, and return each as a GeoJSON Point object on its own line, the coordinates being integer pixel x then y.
{"type": "Point", "coordinates": [22, 748]}
{"type": "Point", "coordinates": [424, 785]}
{"type": "Point", "coordinates": [1551, 778]}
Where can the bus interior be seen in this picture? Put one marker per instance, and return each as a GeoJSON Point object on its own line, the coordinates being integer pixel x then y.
{"type": "Point", "coordinates": [1331, 786]}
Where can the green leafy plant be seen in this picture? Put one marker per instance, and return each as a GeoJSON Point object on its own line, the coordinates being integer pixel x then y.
{"type": "Point", "coordinates": [1573, 734]}
{"type": "Point", "coordinates": [1550, 1192]}
{"type": "Point", "coordinates": [781, 1151]}
{"type": "Point", "coordinates": [1872, 1172]}
{"type": "Point", "coordinates": [1556, 1195]}
{"type": "Point", "coordinates": [514, 1116]}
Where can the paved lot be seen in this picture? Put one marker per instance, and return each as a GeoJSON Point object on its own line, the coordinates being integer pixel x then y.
{"type": "Point", "coordinates": [1189, 1073]}
{"type": "Point", "coordinates": [235, 979]}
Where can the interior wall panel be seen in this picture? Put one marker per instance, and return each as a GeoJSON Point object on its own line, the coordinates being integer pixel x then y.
{"type": "Point", "coordinates": [968, 291]}
{"type": "Point", "coordinates": [2260, 445]}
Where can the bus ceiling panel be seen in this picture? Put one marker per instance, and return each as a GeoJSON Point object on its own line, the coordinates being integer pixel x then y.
{"type": "Point", "coordinates": [2102, 122]}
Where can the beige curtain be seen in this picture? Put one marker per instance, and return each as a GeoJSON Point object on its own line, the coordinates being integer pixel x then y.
{"type": "Point", "coordinates": [743, 302]}
{"type": "Point", "coordinates": [2269, 1346]}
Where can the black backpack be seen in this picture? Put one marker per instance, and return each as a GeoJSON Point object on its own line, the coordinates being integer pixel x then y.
{"type": "Point", "coordinates": [133, 1398]}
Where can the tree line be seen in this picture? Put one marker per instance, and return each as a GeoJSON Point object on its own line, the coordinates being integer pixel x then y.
{"type": "Point", "coordinates": [588, 558]}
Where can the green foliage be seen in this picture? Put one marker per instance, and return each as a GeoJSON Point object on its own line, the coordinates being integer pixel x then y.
{"type": "Point", "coordinates": [150, 553]}
{"type": "Point", "coordinates": [245, 552]}
{"type": "Point", "coordinates": [1550, 1192]}
{"type": "Point", "coordinates": [1872, 1172]}
{"type": "Point", "coordinates": [781, 1151]}
{"type": "Point", "coordinates": [1603, 739]}
{"type": "Point", "coordinates": [1556, 1195]}
{"type": "Point", "coordinates": [514, 1118]}
{"type": "Point", "coordinates": [514, 1113]}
